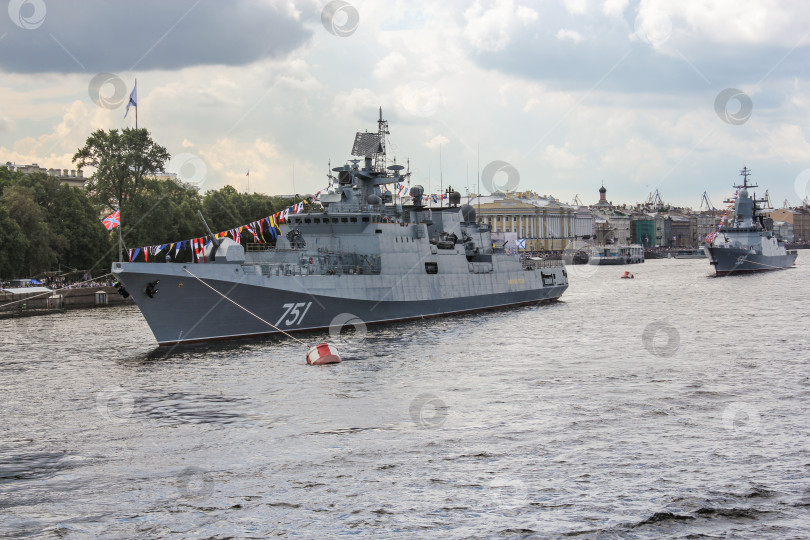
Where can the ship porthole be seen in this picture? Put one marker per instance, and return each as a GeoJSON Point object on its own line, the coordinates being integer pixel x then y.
{"type": "Point", "coordinates": [118, 266]}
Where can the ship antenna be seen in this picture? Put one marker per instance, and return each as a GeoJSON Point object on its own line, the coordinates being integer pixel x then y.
{"type": "Point", "coordinates": [467, 183]}
{"type": "Point", "coordinates": [745, 172]}
{"type": "Point", "coordinates": [478, 167]}
{"type": "Point", "coordinates": [478, 196]}
{"type": "Point", "coordinates": [430, 196]}
{"type": "Point", "coordinates": [441, 176]}
{"type": "Point", "coordinates": [382, 131]}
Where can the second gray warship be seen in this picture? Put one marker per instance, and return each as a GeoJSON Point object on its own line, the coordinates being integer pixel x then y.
{"type": "Point", "coordinates": [363, 258]}
{"type": "Point", "coordinates": [744, 244]}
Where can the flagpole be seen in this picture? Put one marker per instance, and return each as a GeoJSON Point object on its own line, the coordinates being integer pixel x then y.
{"type": "Point", "coordinates": [120, 241]}
{"type": "Point", "coordinates": [136, 104]}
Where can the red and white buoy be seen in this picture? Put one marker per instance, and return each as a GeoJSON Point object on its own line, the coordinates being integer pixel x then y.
{"type": "Point", "coordinates": [323, 353]}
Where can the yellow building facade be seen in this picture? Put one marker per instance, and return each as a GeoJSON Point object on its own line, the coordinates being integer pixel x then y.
{"type": "Point", "coordinates": [544, 223]}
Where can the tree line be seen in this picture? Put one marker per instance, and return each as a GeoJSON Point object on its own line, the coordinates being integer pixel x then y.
{"type": "Point", "coordinates": [47, 227]}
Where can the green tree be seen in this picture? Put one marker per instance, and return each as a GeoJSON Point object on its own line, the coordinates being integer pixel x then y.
{"type": "Point", "coordinates": [45, 224]}
{"type": "Point", "coordinates": [7, 177]}
{"type": "Point", "coordinates": [164, 212]}
{"type": "Point", "coordinates": [43, 244]}
{"type": "Point", "coordinates": [13, 247]}
{"type": "Point", "coordinates": [89, 245]}
{"type": "Point", "coordinates": [123, 161]}
{"type": "Point", "coordinates": [226, 208]}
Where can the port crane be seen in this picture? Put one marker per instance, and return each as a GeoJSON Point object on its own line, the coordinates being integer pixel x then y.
{"type": "Point", "coordinates": [654, 200]}
{"type": "Point", "coordinates": [705, 201]}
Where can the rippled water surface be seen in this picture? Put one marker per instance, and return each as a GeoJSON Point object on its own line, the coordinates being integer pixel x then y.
{"type": "Point", "coordinates": [673, 405]}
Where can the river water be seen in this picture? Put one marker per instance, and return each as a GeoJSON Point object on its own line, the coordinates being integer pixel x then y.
{"type": "Point", "coordinates": [672, 405]}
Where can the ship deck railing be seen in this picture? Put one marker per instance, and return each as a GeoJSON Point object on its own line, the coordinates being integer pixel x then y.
{"type": "Point", "coordinates": [261, 248]}
{"type": "Point", "coordinates": [293, 269]}
{"type": "Point", "coordinates": [533, 264]}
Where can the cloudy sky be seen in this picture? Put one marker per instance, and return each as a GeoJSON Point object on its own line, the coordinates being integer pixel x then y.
{"type": "Point", "coordinates": [674, 96]}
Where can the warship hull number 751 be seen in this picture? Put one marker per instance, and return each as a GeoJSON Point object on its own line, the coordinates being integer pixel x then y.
{"type": "Point", "coordinates": [362, 258]}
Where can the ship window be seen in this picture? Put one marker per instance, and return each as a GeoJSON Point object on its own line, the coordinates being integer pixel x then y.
{"type": "Point", "coordinates": [353, 220]}
{"type": "Point", "coordinates": [334, 220]}
{"type": "Point", "coordinates": [378, 231]}
{"type": "Point", "coordinates": [365, 220]}
{"type": "Point", "coordinates": [432, 267]}
{"type": "Point", "coordinates": [307, 220]}
{"type": "Point", "coordinates": [317, 220]}
{"type": "Point", "coordinates": [344, 220]}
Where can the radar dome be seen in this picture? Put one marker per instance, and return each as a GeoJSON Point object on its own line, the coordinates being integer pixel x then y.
{"type": "Point", "coordinates": [416, 193]}
{"type": "Point", "coordinates": [374, 199]}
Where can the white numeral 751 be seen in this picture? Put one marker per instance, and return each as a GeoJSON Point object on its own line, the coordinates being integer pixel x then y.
{"type": "Point", "coordinates": [295, 313]}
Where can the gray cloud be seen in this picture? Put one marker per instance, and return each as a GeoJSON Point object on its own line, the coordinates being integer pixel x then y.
{"type": "Point", "coordinates": [98, 35]}
{"type": "Point", "coordinates": [607, 57]}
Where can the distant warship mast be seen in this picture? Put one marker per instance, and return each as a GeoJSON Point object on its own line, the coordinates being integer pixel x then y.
{"type": "Point", "coordinates": [745, 173]}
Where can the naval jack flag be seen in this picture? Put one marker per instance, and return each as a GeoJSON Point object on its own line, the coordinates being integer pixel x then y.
{"type": "Point", "coordinates": [112, 221]}
{"type": "Point", "coordinates": [133, 99]}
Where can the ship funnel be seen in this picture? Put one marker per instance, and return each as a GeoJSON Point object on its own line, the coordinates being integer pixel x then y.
{"type": "Point", "coordinates": [467, 213]}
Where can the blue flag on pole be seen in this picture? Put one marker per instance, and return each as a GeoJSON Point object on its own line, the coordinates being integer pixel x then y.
{"type": "Point", "coordinates": [133, 99]}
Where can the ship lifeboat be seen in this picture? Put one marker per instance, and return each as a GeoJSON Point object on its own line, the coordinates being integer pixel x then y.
{"type": "Point", "coordinates": [627, 275]}
{"type": "Point", "coordinates": [323, 353]}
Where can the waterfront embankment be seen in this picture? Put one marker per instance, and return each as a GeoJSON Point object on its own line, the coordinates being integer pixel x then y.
{"type": "Point", "coordinates": [39, 301]}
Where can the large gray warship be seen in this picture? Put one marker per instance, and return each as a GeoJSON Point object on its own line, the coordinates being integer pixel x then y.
{"type": "Point", "coordinates": [364, 258]}
{"type": "Point", "coordinates": [744, 244]}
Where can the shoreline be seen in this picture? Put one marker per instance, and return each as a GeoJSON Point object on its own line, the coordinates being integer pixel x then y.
{"type": "Point", "coordinates": [39, 303]}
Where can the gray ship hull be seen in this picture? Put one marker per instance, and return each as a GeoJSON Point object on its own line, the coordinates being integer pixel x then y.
{"type": "Point", "coordinates": [734, 260]}
{"type": "Point", "coordinates": [227, 302]}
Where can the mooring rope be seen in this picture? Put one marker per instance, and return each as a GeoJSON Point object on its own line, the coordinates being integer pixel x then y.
{"type": "Point", "coordinates": [244, 308]}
